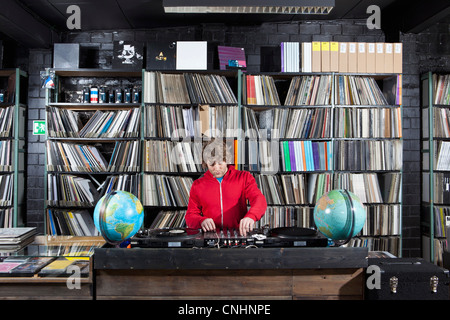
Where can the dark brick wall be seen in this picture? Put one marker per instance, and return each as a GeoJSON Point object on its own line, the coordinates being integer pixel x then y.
{"type": "Point", "coordinates": [426, 51]}
{"type": "Point", "coordinates": [38, 61]}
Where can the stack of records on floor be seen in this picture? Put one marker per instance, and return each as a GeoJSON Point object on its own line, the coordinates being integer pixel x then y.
{"type": "Point", "coordinates": [12, 239]}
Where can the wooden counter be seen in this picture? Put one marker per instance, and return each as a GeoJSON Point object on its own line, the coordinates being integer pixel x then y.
{"type": "Point", "coordinates": [230, 273]}
{"type": "Point", "coordinates": [52, 288]}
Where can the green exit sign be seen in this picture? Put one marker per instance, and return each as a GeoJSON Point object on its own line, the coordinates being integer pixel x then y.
{"type": "Point", "coordinates": [39, 127]}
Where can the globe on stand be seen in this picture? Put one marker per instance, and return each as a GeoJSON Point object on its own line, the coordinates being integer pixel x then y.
{"type": "Point", "coordinates": [118, 216]}
{"type": "Point", "coordinates": [339, 215]}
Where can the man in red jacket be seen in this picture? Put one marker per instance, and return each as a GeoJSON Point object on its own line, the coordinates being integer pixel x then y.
{"type": "Point", "coordinates": [218, 199]}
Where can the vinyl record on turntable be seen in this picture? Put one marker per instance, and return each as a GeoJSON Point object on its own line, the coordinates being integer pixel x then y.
{"type": "Point", "coordinates": [292, 232]}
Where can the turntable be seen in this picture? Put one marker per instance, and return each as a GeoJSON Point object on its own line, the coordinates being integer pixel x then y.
{"type": "Point", "coordinates": [296, 237]}
{"type": "Point", "coordinates": [168, 238]}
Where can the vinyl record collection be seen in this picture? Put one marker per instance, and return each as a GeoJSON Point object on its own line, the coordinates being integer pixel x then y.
{"type": "Point", "coordinates": [368, 155]}
{"type": "Point", "coordinates": [287, 216]}
{"type": "Point", "coordinates": [125, 182]}
{"type": "Point", "coordinates": [102, 124]}
{"type": "Point", "coordinates": [126, 157]}
{"type": "Point", "coordinates": [365, 185]}
{"type": "Point", "coordinates": [441, 89]}
{"type": "Point", "coordinates": [358, 90]}
{"type": "Point", "coordinates": [443, 156]}
{"type": "Point", "coordinates": [348, 90]}
{"type": "Point", "coordinates": [169, 219]}
{"type": "Point", "coordinates": [441, 121]}
{"type": "Point", "coordinates": [187, 88]}
{"type": "Point", "coordinates": [6, 218]}
{"type": "Point", "coordinates": [70, 222]}
{"type": "Point", "coordinates": [390, 244]}
{"type": "Point", "coordinates": [169, 156]}
{"type": "Point", "coordinates": [6, 189]}
{"type": "Point", "coordinates": [368, 123]}
{"type": "Point", "coordinates": [316, 123]}
{"type": "Point", "coordinates": [288, 123]}
{"type": "Point", "coordinates": [65, 190]}
{"type": "Point", "coordinates": [257, 155]}
{"type": "Point", "coordinates": [440, 219]}
{"type": "Point", "coordinates": [166, 191]}
{"type": "Point", "coordinates": [300, 136]}
{"type": "Point", "coordinates": [261, 90]}
{"type": "Point", "coordinates": [435, 165]}
{"type": "Point", "coordinates": [309, 90]}
{"type": "Point", "coordinates": [5, 155]}
{"type": "Point", "coordinates": [6, 122]}
{"type": "Point", "coordinates": [284, 189]}
{"type": "Point", "coordinates": [73, 157]}
{"type": "Point", "coordinates": [164, 121]}
{"type": "Point", "coordinates": [290, 189]}
{"type": "Point", "coordinates": [306, 155]}
{"type": "Point", "coordinates": [440, 245]}
{"type": "Point", "coordinates": [382, 220]}
{"type": "Point", "coordinates": [441, 187]}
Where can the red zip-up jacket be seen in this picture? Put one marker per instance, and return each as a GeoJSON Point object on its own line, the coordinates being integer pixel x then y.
{"type": "Point", "coordinates": [225, 202]}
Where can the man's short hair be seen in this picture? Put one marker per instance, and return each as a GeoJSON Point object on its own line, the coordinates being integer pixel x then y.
{"type": "Point", "coordinates": [215, 150]}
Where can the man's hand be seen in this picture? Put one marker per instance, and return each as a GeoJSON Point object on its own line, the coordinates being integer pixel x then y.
{"type": "Point", "coordinates": [246, 225]}
{"type": "Point", "coordinates": [208, 225]}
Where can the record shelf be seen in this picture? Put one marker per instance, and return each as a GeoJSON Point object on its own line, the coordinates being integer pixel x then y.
{"type": "Point", "coordinates": [435, 177]}
{"type": "Point", "coordinates": [358, 117]}
{"type": "Point", "coordinates": [375, 122]}
{"type": "Point", "coordinates": [171, 156]}
{"type": "Point", "coordinates": [355, 112]}
{"type": "Point", "coordinates": [13, 106]}
{"type": "Point", "coordinates": [82, 165]}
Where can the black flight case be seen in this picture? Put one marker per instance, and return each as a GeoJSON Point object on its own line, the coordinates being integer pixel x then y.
{"type": "Point", "coordinates": [405, 279]}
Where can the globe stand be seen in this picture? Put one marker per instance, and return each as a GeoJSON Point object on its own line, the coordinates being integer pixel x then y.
{"type": "Point", "coordinates": [101, 213]}
{"type": "Point", "coordinates": [350, 207]}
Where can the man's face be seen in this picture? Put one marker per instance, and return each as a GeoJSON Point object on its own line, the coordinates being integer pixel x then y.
{"type": "Point", "coordinates": [218, 169]}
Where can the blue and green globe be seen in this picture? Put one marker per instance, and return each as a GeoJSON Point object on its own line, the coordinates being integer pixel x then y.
{"type": "Point", "coordinates": [118, 216]}
{"type": "Point", "coordinates": [339, 215]}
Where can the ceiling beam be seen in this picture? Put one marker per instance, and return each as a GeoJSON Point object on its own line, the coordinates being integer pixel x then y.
{"type": "Point", "coordinates": [21, 25]}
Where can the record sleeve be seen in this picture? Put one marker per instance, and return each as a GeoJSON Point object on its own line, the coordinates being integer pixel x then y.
{"type": "Point", "coordinates": [128, 55]}
{"type": "Point", "coordinates": [31, 266]}
{"type": "Point", "coordinates": [161, 55]}
{"type": "Point", "coordinates": [57, 268]}
{"type": "Point", "coordinates": [6, 267]}
{"type": "Point", "coordinates": [83, 266]}
{"type": "Point", "coordinates": [15, 235]}
{"type": "Point", "coordinates": [228, 55]}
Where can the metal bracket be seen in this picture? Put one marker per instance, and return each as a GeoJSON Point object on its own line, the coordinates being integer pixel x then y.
{"type": "Point", "coordinates": [434, 281]}
{"type": "Point", "coordinates": [393, 283]}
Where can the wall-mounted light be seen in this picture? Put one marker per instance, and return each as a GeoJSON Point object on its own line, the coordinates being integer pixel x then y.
{"type": "Point", "coordinates": [249, 6]}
